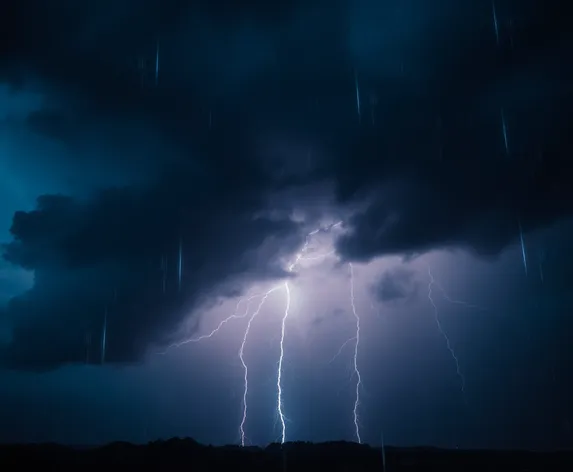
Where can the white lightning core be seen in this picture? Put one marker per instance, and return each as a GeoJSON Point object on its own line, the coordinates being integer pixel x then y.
{"type": "Point", "coordinates": [300, 256]}
{"type": "Point", "coordinates": [244, 364]}
{"type": "Point", "coordinates": [432, 283]}
{"type": "Point", "coordinates": [356, 370]}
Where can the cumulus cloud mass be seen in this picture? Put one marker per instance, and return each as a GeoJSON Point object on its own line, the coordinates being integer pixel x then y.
{"type": "Point", "coordinates": [159, 157]}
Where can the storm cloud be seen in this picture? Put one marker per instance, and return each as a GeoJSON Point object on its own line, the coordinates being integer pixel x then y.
{"type": "Point", "coordinates": [243, 113]}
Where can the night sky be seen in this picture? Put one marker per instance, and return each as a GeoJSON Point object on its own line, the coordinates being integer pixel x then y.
{"type": "Point", "coordinates": [401, 166]}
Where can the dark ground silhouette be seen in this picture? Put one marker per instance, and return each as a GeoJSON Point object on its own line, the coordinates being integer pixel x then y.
{"type": "Point", "coordinates": [186, 454]}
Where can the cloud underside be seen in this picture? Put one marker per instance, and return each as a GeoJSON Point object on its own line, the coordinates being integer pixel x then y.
{"type": "Point", "coordinates": [457, 142]}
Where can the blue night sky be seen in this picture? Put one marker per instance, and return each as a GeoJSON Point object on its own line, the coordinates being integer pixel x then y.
{"type": "Point", "coordinates": [378, 193]}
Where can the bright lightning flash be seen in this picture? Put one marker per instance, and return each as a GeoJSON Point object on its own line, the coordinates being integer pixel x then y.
{"type": "Point", "coordinates": [356, 344]}
{"type": "Point", "coordinates": [431, 284]}
{"type": "Point", "coordinates": [291, 268]}
{"type": "Point", "coordinates": [235, 315]}
{"type": "Point", "coordinates": [280, 367]}
{"type": "Point", "coordinates": [245, 367]}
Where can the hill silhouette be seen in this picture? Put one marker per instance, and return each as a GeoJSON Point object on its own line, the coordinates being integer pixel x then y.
{"type": "Point", "coordinates": [187, 454]}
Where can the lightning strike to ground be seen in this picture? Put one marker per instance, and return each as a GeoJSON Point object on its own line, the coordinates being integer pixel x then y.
{"type": "Point", "coordinates": [356, 370]}
{"type": "Point", "coordinates": [245, 366]}
{"type": "Point", "coordinates": [157, 64]}
{"type": "Point", "coordinates": [443, 333]}
{"type": "Point", "coordinates": [235, 315]}
{"type": "Point", "coordinates": [291, 267]}
{"type": "Point", "coordinates": [453, 301]}
{"type": "Point", "coordinates": [523, 252]}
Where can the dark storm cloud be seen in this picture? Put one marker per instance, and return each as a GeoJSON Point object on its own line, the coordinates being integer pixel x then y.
{"type": "Point", "coordinates": [394, 285]}
{"type": "Point", "coordinates": [106, 252]}
{"type": "Point", "coordinates": [244, 102]}
{"type": "Point", "coordinates": [438, 175]}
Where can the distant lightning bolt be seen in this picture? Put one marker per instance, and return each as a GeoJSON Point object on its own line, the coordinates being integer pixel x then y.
{"type": "Point", "coordinates": [104, 336]}
{"type": "Point", "coordinates": [495, 23]}
{"type": "Point", "coordinates": [291, 268]}
{"type": "Point", "coordinates": [358, 106]}
{"type": "Point", "coordinates": [344, 344]}
{"type": "Point", "coordinates": [356, 344]}
{"type": "Point", "coordinates": [245, 367]}
{"type": "Point", "coordinates": [523, 252]}
{"type": "Point", "coordinates": [442, 332]}
{"type": "Point", "coordinates": [280, 366]}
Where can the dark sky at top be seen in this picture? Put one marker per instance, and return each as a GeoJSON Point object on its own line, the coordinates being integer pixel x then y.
{"type": "Point", "coordinates": [438, 131]}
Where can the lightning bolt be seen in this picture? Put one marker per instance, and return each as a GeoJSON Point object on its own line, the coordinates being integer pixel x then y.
{"type": "Point", "coordinates": [300, 256]}
{"type": "Point", "coordinates": [541, 261]}
{"type": "Point", "coordinates": [246, 368]}
{"type": "Point", "coordinates": [235, 315]}
{"type": "Point", "coordinates": [442, 332]}
{"type": "Point", "coordinates": [344, 344]}
{"type": "Point", "coordinates": [453, 301]}
{"type": "Point", "coordinates": [315, 258]}
{"type": "Point", "coordinates": [280, 366]}
{"type": "Point", "coordinates": [356, 344]}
